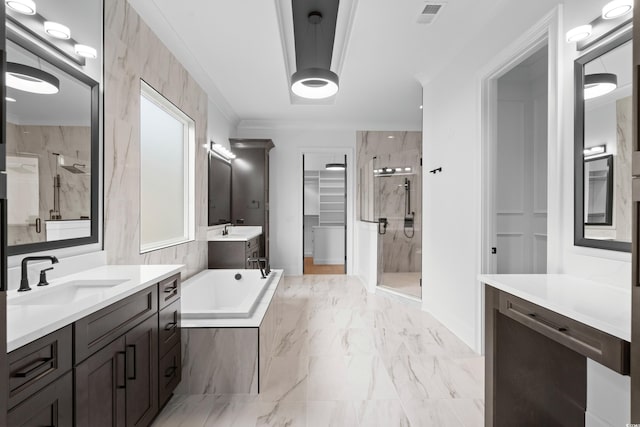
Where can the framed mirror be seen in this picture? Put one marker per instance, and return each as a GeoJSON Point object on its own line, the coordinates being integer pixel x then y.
{"type": "Point", "coordinates": [219, 190]}
{"type": "Point", "coordinates": [603, 143]}
{"type": "Point", "coordinates": [52, 130]}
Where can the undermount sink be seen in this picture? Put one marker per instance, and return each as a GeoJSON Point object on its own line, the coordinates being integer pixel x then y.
{"type": "Point", "coordinates": [66, 293]}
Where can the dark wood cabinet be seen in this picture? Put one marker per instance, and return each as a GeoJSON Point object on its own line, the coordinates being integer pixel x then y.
{"type": "Point", "coordinates": [230, 254]}
{"type": "Point", "coordinates": [169, 372]}
{"type": "Point", "coordinates": [250, 196]}
{"type": "Point", "coordinates": [51, 406]}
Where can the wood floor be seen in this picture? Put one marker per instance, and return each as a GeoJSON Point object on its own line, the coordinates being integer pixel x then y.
{"type": "Point", "coordinates": [311, 268]}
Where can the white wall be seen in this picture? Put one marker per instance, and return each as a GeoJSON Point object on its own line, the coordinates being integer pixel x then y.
{"type": "Point", "coordinates": [220, 128]}
{"type": "Point", "coordinates": [286, 184]}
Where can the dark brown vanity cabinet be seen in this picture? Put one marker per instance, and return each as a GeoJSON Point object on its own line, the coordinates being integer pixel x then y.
{"type": "Point", "coordinates": [230, 254]}
{"type": "Point", "coordinates": [250, 196]}
{"type": "Point", "coordinates": [169, 342]}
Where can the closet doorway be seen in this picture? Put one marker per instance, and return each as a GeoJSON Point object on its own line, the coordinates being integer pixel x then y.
{"type": "Point", "coordinates": [324, 213]}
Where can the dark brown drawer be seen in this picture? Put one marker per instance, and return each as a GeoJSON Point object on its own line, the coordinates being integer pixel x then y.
{"type": "Point", "coordinates": [39, 363]}
{"type": "Point", "coordinates": [170, 373]}
{"type": "Point", "coordinates": [169, 327]}
{"type": "Point", "coordinates": [606, 349]}
{"type": "Point", "coordinates": [169, 290]}
{"type": "Point", "coordinates": [253, 243]}
{"type": "Point", "coordinates": [100, 328]}
{"type": "Point", "coordinates": [51, 406]}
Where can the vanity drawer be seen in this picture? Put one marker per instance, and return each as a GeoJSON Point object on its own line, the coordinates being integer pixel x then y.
{"type": "Point", "coordinates": [169, 290]}
{"type": "Point", "coordinates": [100, 328]}
{"type": "Point", "coordinates": [51, 406]}
{"type": "Point", "coordinates": [39, 363]}
{"type": "Point", "coordinates": [599, 346]}
{"type": "Point", "coordinates": [170, 373]}
{"type": "Point", "coordinates": [169, 327]}
{"type": "Point", "coordinates": [253, 243]}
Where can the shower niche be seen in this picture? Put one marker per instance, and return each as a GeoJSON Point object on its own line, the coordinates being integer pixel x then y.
{"type": "Point", "coordinates": [390, 194]}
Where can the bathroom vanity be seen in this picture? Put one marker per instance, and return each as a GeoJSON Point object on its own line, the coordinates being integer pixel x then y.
{"type": "Point", "coordinates": [539, 332]}
{"type": "Point", "coordinates": [234, 249]}
{"type": "Point", "coordinates": [101, 347]}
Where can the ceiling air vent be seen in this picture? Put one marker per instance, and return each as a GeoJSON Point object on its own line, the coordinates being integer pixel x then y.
{"type": "Point", "coordinates": [430, 12]}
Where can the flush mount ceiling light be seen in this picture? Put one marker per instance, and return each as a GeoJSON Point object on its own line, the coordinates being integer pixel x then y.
{"type": "Point", "coordinates": [579, 33]}
{"type": "Point", "coordinates": [26, 7]}
{"type": "Point", "coordinates": [599, 84]}
{"type": "Point", "coordinates": [334, 166]}
{"type": "Point", "coordinates": [593, 151]}
{"type": "Point", "coordinates": [29, 79]}
{"type": "Point", "coordinates": [314, 27]}
{"type": "Point", "coordinates": [617, 8]}
{"type": "Point", "coordinates": [56, 30]}
{"type": "Point", "coordinates": [85, 51]}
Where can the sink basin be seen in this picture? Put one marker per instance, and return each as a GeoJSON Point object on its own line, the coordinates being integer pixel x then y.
{"type": "Point", "coordinates": [66, 293]}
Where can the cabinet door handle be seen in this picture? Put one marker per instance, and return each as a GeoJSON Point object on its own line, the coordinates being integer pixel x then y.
{"type": "Point", "coordinates": [122, 365]}
{"type": "Point", "coordinates": [171, 289]}
{"type": "Point", "coordinates": [169, 372]}
{"type": "Point", "coordinates": [547, 323]}
{"type": "Point", "coordinates": [171, 326]}
{"type": "Point", "coordinates": [32, 367]}
{"type": "Point", "coordinates": [133, 348]}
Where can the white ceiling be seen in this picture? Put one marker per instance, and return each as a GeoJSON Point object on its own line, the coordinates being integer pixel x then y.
{"type": "Point", "coordinates": [235, 51]}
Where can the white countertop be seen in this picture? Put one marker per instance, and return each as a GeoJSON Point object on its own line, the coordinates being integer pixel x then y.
{"type": "Point", "coordinates": [26, 322]}
{"type": "Point", "coordinates": [237, 233]}
{"type": "Point", "coordinates": [601, 306]}
{"type": "Point", "coordinates": [250, 322]}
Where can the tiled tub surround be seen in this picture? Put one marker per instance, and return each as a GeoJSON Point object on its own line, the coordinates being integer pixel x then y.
{"type": "Point", "coordinates": [74, 144]}
{"type": "Point", "coordinates": [343, 357]}
{"type": "Point", "coordinates": [133, 52]}
{"type": "Point", "coordinates": [230, 355]}
{"type": "Point", "coordinates": [27, 321]}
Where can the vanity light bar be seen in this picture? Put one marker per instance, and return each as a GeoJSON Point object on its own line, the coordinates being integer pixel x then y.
{"type": "Point", "coordinates": [579, 33]}
{"type": "Point", "coordinates": [26, 7]}
{"type": "Point", "coordinates": [393, 171]}
{"type": "Point", "coordinates": [617, 8]}
{"type": "Point", "coordinates": [594, 151]}
{"type": "Point", "coordinates": [222, 151]}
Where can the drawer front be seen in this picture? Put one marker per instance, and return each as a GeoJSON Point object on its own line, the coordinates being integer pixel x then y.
{"type": "Point", "coordinates": [605, 349]}
{"type": "Point", "coordinates": [169, 327]}
{"type": "Point", "coordinates": [170, 373]}
{"type": "Point", "coordinates": [39, 363]}
{"type": "Point", "coordinates": [51, 406]}
{"type": "Point", "coordinates": [100, 328]}
{"type": "Point", "coordinates": [254, 244]}
{"type": "Point", "coordinates": [169, 290]}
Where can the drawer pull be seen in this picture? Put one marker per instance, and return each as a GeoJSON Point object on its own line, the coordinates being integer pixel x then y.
{"type": "Point", "coordinates": [170, 290]}
{"type": "Point", "coordinates": [133, 377]}
{"type": "Point", "coordinates": [169, 372]}
{"type": "Point", "coordinates": [121, 365]}
{"type": "Point", "coordinates": [171, 326]}
{"type": "Point", "coordinates": [32, 367]}
{"type": "Point", "coordinates": [547, 323]}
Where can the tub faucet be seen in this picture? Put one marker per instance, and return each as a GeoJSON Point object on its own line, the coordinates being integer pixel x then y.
{"type": "Point", "coordinates": [264, 271]}
{"type": "Point", "coordinates": [24, 278]}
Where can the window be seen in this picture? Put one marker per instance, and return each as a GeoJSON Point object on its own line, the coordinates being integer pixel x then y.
{"type": "Point", "coordinates": [167, 173]}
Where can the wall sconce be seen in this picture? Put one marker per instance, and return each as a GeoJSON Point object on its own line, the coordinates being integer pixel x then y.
{"type": "Point", "coordinates": [615, 15]}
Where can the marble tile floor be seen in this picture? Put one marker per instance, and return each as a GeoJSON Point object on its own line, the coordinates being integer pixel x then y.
{"type": "Point", "coordinates": [347, 358]}
{"type": "Point", "coordinates": [406, 283]}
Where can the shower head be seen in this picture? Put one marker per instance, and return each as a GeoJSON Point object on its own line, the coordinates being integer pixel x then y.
{"type": "Point", "coordinates": [75, 168]}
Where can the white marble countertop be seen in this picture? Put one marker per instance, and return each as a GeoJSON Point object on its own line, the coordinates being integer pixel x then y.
{"type": "Point", "coordinates": [236, 234]}
{"type": "Point", "coordinates": [601, 306]}
{"type": "Point", "coordinates": [36, 313]}
{"type": "Point", "coordinates": [250, 322]}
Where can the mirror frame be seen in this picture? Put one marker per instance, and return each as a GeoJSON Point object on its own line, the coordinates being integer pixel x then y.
{"type": "Point", "coordinates": [213, 157]}
{"type": "Point", "coordinates": [578, 121]}
{"type": "Point", "coordinates": [96, 169]}
{"type": "Point", "coordinates": [609, 208]}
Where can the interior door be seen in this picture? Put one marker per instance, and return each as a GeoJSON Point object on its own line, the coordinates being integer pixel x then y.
{"type": "Point", "coordinates": [635, 286]}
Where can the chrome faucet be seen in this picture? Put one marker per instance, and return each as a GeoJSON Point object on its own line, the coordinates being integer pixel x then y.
{"type": "Point", "coordinates": [225, 232]}
{"type": "Point", "coordinates": [264, 271]}
{"type": "Point", "coordinates": [24, 279]}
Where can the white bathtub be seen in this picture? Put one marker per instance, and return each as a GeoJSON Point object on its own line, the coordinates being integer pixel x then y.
{"type": "Point", "coordinates": [218, 294]}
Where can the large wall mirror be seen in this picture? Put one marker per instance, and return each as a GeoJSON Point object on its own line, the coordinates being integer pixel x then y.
{"type": "Point", "coordinates": [603, 144]}
{"type": "Point", "coordinates": [53, 126]}
{"type": "Point", "coordinates": [219, 190]}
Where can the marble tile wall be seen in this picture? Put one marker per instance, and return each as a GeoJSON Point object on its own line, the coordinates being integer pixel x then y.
{"type": "Point", "coordinates": [133, 52]}
{"type": "Point", "coordinates": [397, 251]}
{"type": "Point", "coordinates": [622, 169]}
{"type": "Point", "coordinates": [72, 142]}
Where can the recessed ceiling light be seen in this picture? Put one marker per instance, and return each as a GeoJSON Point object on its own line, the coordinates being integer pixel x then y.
{"type": "Point", "coordinates": [26, 7]}
{"type": "Point", "coordinates": [9, 99]}
{"type": "Point", "coordinates": [596, 85]}
{"type": "Point", "coordinates": [391, 137]}
{"type": "Point", "coordinates": [314, 83]}
{"type": "Point", "coordinates": [86, 51]}
{"type": "Point", "coordinates": [56, 30]}
{"type": "Point", "coordinates": [617, 8]}
{"type": "Point", "coordinates": [579, 33]}
{"type": "Point", "coordinates": [29, 79]}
